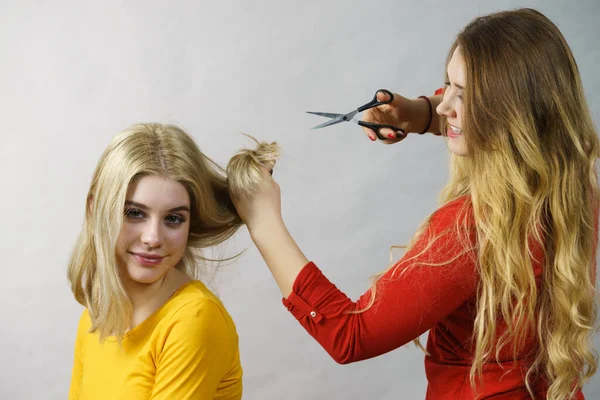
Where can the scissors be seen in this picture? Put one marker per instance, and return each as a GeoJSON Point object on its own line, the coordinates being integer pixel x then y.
{"type": "Point", "coordinates": [337, 118]}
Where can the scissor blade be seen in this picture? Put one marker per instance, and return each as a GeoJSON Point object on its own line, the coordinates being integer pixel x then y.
{"type": "Point", "coordinates": [322, 114]}
{"type": "Point", "coordinates": [330, 122]}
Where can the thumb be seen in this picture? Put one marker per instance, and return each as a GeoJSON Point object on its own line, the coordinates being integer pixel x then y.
{"type": "Point", "coordinates": [268, 167]}
{"type": "Point", "coordinates": [381, 96]}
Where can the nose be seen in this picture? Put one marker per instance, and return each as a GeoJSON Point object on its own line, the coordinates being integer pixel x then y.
{"type": "Point", "coordinates": [151, 234]}
{"type": "Point", "coordinates": [446, 108]}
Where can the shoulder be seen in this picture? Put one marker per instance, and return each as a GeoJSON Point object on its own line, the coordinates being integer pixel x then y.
{"type": "Point", "coordinates": [195, 325]}
{"type": "Point", "coordinates": [454, 215]}
{"type": "Point", "coordinates": [194, 297]}
{"type": "Point", "coordinates": [449, 233]}
{"type": "Point", "coordinates": [453, 208]}
{"type": "Point", "coordinates": [85, 322]}
{"type": "Point", "coordinates": [83, 328]}
{"type": "Point", "coordinates": [195, 311]}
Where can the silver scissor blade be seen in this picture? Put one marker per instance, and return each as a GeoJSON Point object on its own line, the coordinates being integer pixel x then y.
{"type": "Point", "coordinates": [322, 114]}
{"type": "Point", "coordinates": [330, 122]}
{"type": "Point", "coordinates": [350, 115]}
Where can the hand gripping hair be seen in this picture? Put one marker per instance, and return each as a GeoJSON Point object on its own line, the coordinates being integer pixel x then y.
{"type": "Point", "coordinates": [245, 169]}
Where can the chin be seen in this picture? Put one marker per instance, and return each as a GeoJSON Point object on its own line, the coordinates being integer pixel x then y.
{"type": "Point", "coordinates": [457, 146]}
{"type": "Point", "coordinates": [145, 275]}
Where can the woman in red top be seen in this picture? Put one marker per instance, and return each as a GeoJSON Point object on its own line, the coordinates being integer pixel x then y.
{"type": "Point", "coordinates": [502, 274]}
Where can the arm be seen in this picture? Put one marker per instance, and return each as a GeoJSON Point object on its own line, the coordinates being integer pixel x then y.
{"type": "Point", "coordinates": [411, 115]}
{"type": "Point", "coordinates": [421, 114]}
{"type": "Point", "coordinates": [280, 252]}
{"type": "Point", "coordinates": [196, 353]}
{"type": "Point", "coordinates": [406, 305]}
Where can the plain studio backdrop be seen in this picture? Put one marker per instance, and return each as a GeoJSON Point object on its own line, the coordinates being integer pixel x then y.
{"type": "Point", "coordinates": [75, 73]}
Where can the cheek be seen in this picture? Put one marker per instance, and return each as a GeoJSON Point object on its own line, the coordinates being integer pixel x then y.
{"type": "Point", "coordinates": [127, 235]}
{"type": "Point", "coordinates": [178, 239]}
{"type": "Point", "coordinates": [124, 243]}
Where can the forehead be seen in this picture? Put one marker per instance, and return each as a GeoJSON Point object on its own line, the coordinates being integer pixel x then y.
{"type": "Point", "coordinates": [158, 192]}
{"type": "Point", "coordinates": [456, 67]}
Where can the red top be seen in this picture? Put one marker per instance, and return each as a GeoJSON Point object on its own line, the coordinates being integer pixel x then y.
{"type": "Point", "coordinates": [440, 299]}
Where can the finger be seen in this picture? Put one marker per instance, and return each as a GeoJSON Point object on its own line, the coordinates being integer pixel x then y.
{"type": "Point", "coordinates": [370, 134]}
{"type": "Point", "coordinates": [269, 164]}
{"type": "Point", "coordinates": [400, 136]}
{"type": "Point", "coordinates": [268, 168]}
{"type": "Point", "coordinates": [381, 96]}
{"type": "Point", "coordinates": [272, 168]}
{"type": "Point", "coordinates": [269, 171]}
{"type": "Point", "coordinates": [388, 133]}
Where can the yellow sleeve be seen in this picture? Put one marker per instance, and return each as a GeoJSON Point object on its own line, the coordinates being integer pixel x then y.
{"type": "Point", "coordinates": [77, 362]}
{"type": "Point", "coordinates": [196, 354]}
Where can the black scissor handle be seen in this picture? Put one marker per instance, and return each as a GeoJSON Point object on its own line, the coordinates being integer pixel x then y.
{"type": "Point", "coordinates": [375, 102]}
{"type": "Point", "coordinates": [400, 133]}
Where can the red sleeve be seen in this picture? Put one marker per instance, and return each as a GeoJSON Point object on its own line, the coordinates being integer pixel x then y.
{"type": "Point", "coordinates": [406, 306]}
{"type": "Point", "coordinates": [438, 92]}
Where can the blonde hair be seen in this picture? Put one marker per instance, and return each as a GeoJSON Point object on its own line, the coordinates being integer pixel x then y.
{"type": "Point", "coordinates": [530, 178]}
{"type": "Point", "coordinates": [141, 150]}
{"type": "Point", "coordinates": [246, 168]}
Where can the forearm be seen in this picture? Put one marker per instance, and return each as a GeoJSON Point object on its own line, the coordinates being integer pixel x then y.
{"type": "Point", "coordinates": [420, 110]}
{"type": "Point", "coordinates": [281, 253]}
{"type": "Point", "coordinates": [434, 278]}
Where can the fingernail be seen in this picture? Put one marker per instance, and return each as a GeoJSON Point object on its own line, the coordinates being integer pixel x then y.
{"type": "Point", "coordinates": [391, 136]}
{"type": "Point", "coordinates": [372, 138]}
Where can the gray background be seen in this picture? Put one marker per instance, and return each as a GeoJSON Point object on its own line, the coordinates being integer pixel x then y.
{"type": "Point", "coordinates": [75, 73]}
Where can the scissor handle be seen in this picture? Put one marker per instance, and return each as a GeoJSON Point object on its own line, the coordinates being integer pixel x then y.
{"type": "Point", "coordinates": [375, 102]}
{"type": "Point", "coordinates": [376, 127]}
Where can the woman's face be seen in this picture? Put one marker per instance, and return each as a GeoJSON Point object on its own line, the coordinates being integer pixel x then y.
{"type": "Point", "coordinates": [451, 105]}
{"type": "Point", "coordinates": [155, 228]}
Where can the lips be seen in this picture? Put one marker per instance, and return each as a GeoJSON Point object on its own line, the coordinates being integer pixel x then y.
{"type": "Point", "coordinates": [454, 132]}
{"type": "Point", "coordinates": [147, 259]}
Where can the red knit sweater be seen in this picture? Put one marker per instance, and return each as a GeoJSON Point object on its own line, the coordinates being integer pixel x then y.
{"type": "Point", "coordinates": [438, 299]}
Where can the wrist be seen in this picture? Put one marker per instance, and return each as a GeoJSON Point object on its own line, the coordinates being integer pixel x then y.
{"type": "Point", "coordinates": [422, 115]}
{"type": "Point", "coordinates": [427, 125]}
{"type": "Point", "coordinates": [419, 115]}
{"type": "Point", "coordinates": [265, 228]}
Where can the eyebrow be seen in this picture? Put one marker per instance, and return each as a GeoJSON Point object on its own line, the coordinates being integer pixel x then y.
{"type": "Point", "coordinates": [145, 207]}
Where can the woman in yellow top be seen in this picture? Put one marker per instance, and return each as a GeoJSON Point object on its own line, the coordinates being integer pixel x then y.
{"type": "Point", "coordinates": [150, 330]}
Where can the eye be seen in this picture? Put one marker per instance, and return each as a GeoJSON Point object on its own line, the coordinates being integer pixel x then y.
{"type": "Point", "coordinates": [175, 219]}
{"type": "Point", "coordinates": [134, 213]}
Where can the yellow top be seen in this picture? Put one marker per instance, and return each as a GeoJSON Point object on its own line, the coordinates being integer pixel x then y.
{"type": "Point", "coordinates": [187, 349]}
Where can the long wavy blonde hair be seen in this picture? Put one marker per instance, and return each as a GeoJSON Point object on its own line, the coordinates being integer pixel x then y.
{"type": "Point", "coordinates": [529, 175]}
{"type": "Point", "coordinates": [141, 150]}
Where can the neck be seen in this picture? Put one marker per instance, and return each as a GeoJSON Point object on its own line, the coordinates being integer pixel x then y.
{"type": "Point", "coordinates": [146, 298]}
{"type": "Point", "coordinates": [143, 294]}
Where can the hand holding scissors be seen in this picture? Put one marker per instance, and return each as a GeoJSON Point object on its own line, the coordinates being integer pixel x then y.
{"type": "Point", "coordinates": [399, 133]}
